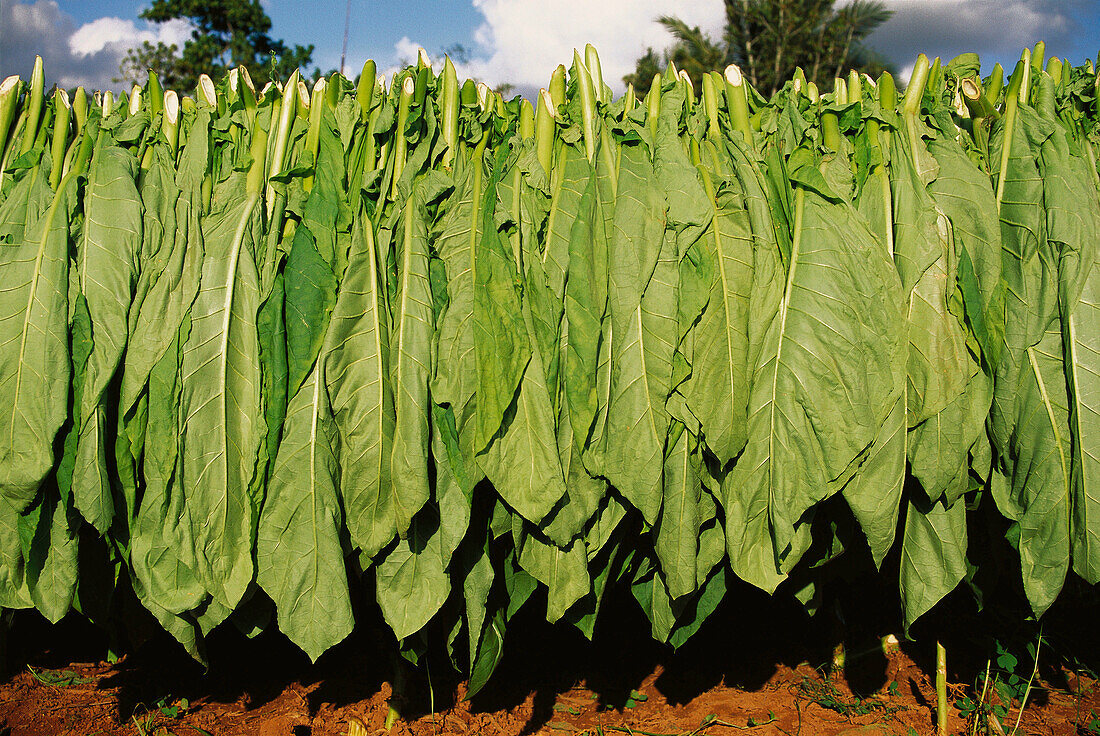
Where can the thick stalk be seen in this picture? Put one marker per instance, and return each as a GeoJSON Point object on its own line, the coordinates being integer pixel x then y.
{"type": "Point", "coordinates": [1012, 101]}
{"type": "Point", "coordinates": [35, 101]}
{"type": "Point", "coordinates": [544, 130]}
{"type": "Point", "coordinates": [62, 112]}
{"type": "Point", "coordinates": [592, 61]}
{"type": "Point", "coordinates": [557, 86]}
{"type": "Point", "coordinates": [710, 107]}
{"type": "Point", "coordinates": [450, 112]}
{"type": "Point", "coordinates": [80, 110]}
{"type": "Point", "coordinates": [313, 133]}
{"type": "Point", "coordinates": [154, 95]}
{"type": "Point", "coordinates": [995, 84]}
{"type": "Point", "coordinates": [171, 121]}
{"type": "Point", "coordinates": [282, 135]}
{"type": "Point", "coordinates": [364, 91]}
{"type": "Point", "coordinates": [9, 99]}
{"type": "Point", "coordinates": [737, 102]}
{"type": "Point", "coordinates": [941, 689]}
{"type": "Point", "coordinates": [653, 104]}
{"type": "Point", "coordinates": [400, 144]}
{"type": "Point", "coordinates": [588, 107]}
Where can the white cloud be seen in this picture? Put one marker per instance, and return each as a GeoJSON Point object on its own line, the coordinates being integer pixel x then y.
{"type": "Point", "coordinates": [525, 40]}
{"type": "Point", "coordinates": [88, 55]}
{"type": "Point", "coordinates": [121, 34]}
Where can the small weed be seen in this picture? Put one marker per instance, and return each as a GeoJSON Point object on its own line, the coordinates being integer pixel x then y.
{"type": "Point", "coordinates": [58, 678]}
{"type": "Point", "coordinates": [825, 693]}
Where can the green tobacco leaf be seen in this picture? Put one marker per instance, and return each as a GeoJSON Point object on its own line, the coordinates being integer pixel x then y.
{"type": "Point", "coordinates": [677, 540]}
{"type": "Point", "coordinates": [223, 426]}
{"type": "Point", "coordinates": [358, 385]}
{"type": "Point", "coordinates": [412, 578]}
{"type": "Point", "coordinates": [410, 366]}
{"type": "Point", "coordinates": [815, 408]}
{"type": "Point", "coordinates": [1082, 361]}
{"type": "Point", "coordinates": [933, 556]}
{"type": "Point", "coordinates": [643, 275]}
{"type": "Point", "coordinates": [106, 263]}
{"type": "Point", "coordinates": [718, 389]}
{"type": "Point", "coordinates": [299, 560]}
{"type": "Point", "coordinates": [169, 278]}
{"type": "Point", "coordinates": [34, 359]}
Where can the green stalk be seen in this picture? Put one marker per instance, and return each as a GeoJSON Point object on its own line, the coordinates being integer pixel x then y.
{"type": "Point", "coordinates": [305, 98]}
{"type": "Point", "coordinates": [449, 109]}
{"type": "Point", "coordinates": [855, 86]}
{"type": "Point", "coordinates": [545, 130]}
{"type": "Point", "coordinates": [254, 181]}
{"type": "Point", "coordinates": [400, 144]}
{"type": "Point", "coordinates": [286, 121]}
{"type": "Point", "coordinates": [1038, 56]}
{"type": "Point", "coordinates": [830, 123]}
{"type": "Point", "coordinates": [588, 107]}
{"type": "Point", "coordinates": [1054, 69]}
{"type": "Point", "coordinates": [737, 102]}
{"type": "Point", "coordinates": [35, 101]}
{"type": "Point", "coordinates": [995, 84]}
{"type": "Point", "coordinates": [710, 107]}
{"type": "Point", "coordinates": [80, 109]}
{"type": "Point", "coordinates": [941, 689]}
{"type": "Point", "coordinates": [977, 104]}
{"type": "Point", "coordinates": [557, 86]}
{"type": "Point", "coordinates": [155, 94]}
{"type": "Point", "coordinates": [887, 100]}
{"type": "Point", "coordinates": [689, 91]}
{"type": "Point", "coordinates": [370, 147]}
{"type": "Point", "coordinates": [205, 92]}
{"type": "Point", "coordinates": [630, 99]}
{"type": "Point", "coordinates": [914, 95]}
{"type": "Point", "coordinates": [1012, 101]}
{"type": "Point", "coordinates": [62, 112]}
{"type": "Point", "coordinates": [1025, 79]}
{"type": "Point", "coordinates": [170, 124]}
{"type": "Point", "coordinates": [364, 91]}
{"type": "Point", "coordinates": [133, 107]}
{"type": "Point", "coordinates": [592, 61]}
{"type": "Point", "coordinates": [313, 134]}
{"type": "Point", "coordinates": [653, 104]}
{"type": "Point", "coordinates": [526, 120]}
{"type": "Point", "coordinates": [9, 100]}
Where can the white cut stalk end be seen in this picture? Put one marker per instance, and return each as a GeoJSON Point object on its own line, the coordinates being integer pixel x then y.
{"type": "Point", "coordinates": [422, 59]}
{"type": "Point", "coordinates": [247, 79]}
{"type": "Point", "coordinates": [735, 77]}
{"type": "Point", "coordinates": [171, 106]}
{"type": "Point", "coordinates": [9, 84]}
{"type": "Point", "coordinates": [64, 97]}
{"type": "Point", "coordinates": [684, 76]}
{"type": "Point", "coordinates": [547, 102]}
{"type": "Point", "coordinates": [234, 78]}
{"type": "Point", "coordinates": [303, 91]}
{"type": "Point", "coordinates": [206, 89]}
{"type": "Point", "coordinates": [135, 100]}
{"type": "Point", "coordinates": [483, 95]}
{"type": "Point", "coordinates": [408, 86]}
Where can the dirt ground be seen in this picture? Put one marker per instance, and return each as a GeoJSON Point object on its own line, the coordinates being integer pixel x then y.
{"type": "Point", "coordinates": [741, 674]}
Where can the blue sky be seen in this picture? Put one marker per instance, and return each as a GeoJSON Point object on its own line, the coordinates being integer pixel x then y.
{"type": "Point", "coordinates": [519, 41]}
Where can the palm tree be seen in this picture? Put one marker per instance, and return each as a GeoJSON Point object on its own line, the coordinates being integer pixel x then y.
{"type": "Point", "coordinates": [768, 39]}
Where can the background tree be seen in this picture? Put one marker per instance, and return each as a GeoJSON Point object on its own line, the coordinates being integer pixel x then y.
{"type": "Point", "coordinates": [227, 33]}
{"type": "Point", "coordinates": [769, 38]}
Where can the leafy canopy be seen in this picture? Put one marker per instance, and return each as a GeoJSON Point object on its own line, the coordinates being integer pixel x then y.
{"type": "Point", "coordinates": [768, 39]}
{"type": "Point", "coordinates": [227, 33]}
